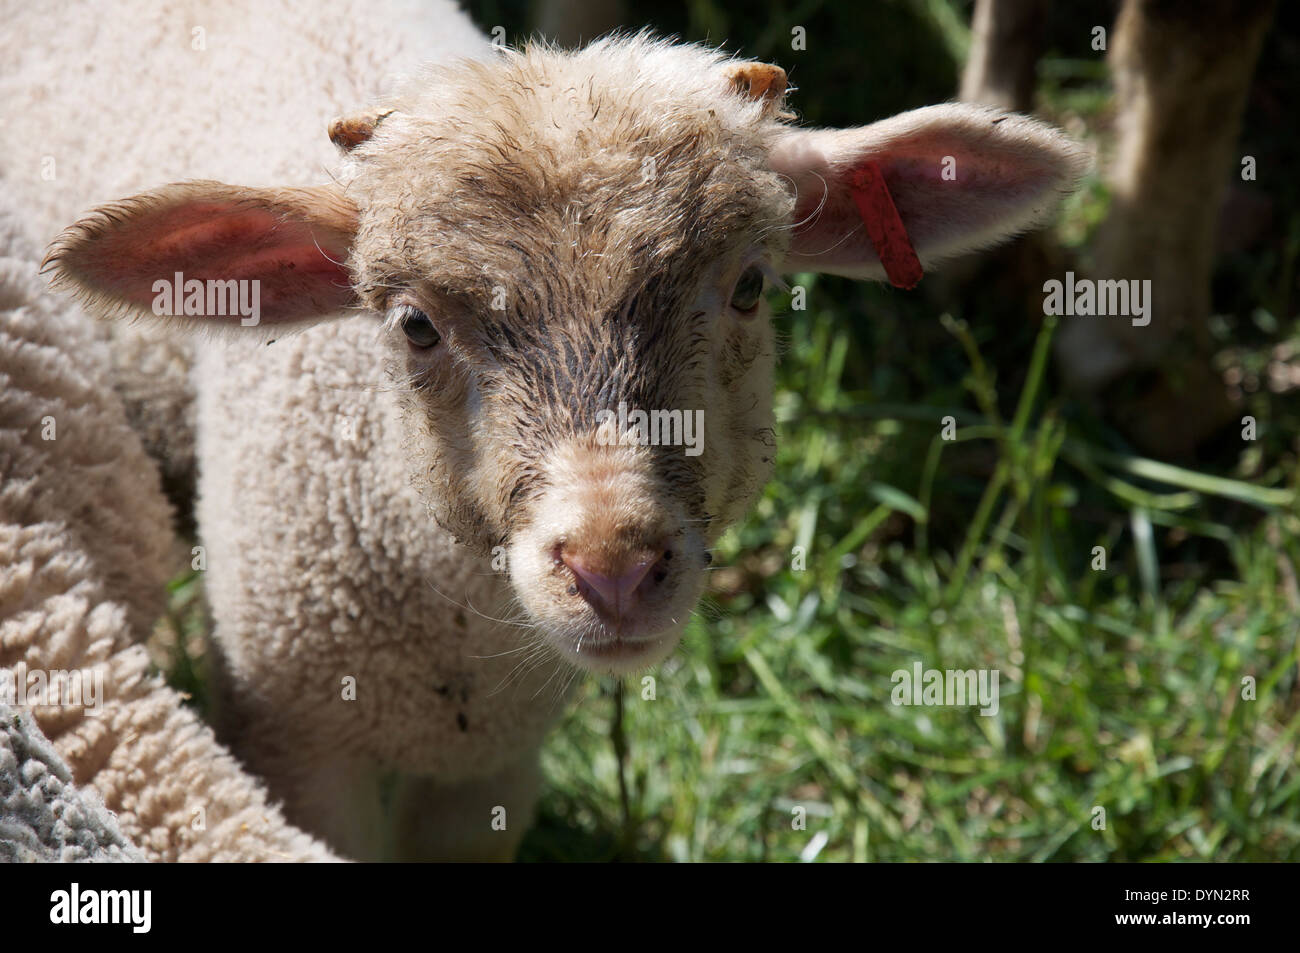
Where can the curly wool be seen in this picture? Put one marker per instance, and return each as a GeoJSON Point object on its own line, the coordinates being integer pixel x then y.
{"type": "Point", "coordinates": [84, 543]}
{"type": "Point", "coordinates": [43, 815]}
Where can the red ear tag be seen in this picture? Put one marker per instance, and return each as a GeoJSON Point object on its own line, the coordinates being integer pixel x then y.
{"type": "Point", "coordinates": [885, 226]}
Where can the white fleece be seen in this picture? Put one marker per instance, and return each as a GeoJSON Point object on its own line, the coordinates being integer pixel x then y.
{"type": "Point", "coordinates": [84, 544]}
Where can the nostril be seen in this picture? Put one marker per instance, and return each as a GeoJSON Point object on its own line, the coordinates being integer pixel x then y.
{"type": "Point", "coordinates": [613, 584]}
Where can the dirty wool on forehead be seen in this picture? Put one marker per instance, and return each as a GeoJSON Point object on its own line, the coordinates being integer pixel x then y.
{"type": "Point", "coordinates": [567, 216]}
{"type": "Point", "coordinates": [584, 174]}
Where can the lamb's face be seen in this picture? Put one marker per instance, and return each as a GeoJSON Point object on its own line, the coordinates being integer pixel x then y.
{"type": "Point", "coordinates": [574, 309]}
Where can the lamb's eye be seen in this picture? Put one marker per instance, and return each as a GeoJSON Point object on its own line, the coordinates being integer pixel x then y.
{"type": "Point", "coordinates": [418, 328]}
{"type": "Point", "coordinates": [744, 298]}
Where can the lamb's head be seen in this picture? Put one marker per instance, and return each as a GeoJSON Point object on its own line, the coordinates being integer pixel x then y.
{"type": "Point", "coordinates": [564, 256]}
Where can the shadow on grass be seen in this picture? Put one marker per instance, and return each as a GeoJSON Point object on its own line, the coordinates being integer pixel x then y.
{"type": "Point", "coordinates": [563, 836]}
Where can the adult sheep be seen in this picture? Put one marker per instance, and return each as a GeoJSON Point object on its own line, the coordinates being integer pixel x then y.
{"type": "Point", "coordinates": [98, 759]}
{"type": "Point", "coordinates": [516, 256]}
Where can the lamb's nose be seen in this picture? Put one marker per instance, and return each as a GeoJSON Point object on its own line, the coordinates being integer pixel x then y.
{"type": "Point", "coordinates": [611, 584]}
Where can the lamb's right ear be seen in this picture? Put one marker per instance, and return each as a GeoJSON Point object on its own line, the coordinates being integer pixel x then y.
{"type": "Point", "coordinates": [348, 132]}
{"type": "Point", "coordinates": [142, 256]}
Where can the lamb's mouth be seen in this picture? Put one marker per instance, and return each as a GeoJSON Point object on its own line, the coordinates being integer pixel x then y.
{"type": "Point", "coordinates": [616, 647]}
{"type": "Point", "coordinates": [617, 653]}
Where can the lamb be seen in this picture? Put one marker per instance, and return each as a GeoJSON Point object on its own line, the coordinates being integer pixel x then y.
{"type": "Point", "coordinates": [84, 551]}
{"type": "Point", "coordinates": [418, 521]}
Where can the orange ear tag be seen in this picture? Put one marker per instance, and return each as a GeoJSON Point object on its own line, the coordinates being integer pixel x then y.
{"type": "Point", "coordinates": [885, 227]}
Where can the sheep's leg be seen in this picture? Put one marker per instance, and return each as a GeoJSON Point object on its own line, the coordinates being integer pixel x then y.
{"type": "Point", "coordinates": [479, 820]}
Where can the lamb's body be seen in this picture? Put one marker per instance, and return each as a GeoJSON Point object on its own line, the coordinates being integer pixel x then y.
{"type": "Point", "coordinates": [323, 563]}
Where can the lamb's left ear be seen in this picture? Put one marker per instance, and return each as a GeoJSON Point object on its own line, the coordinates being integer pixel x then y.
{"type": "Point", "coordinates": [942, 180]}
